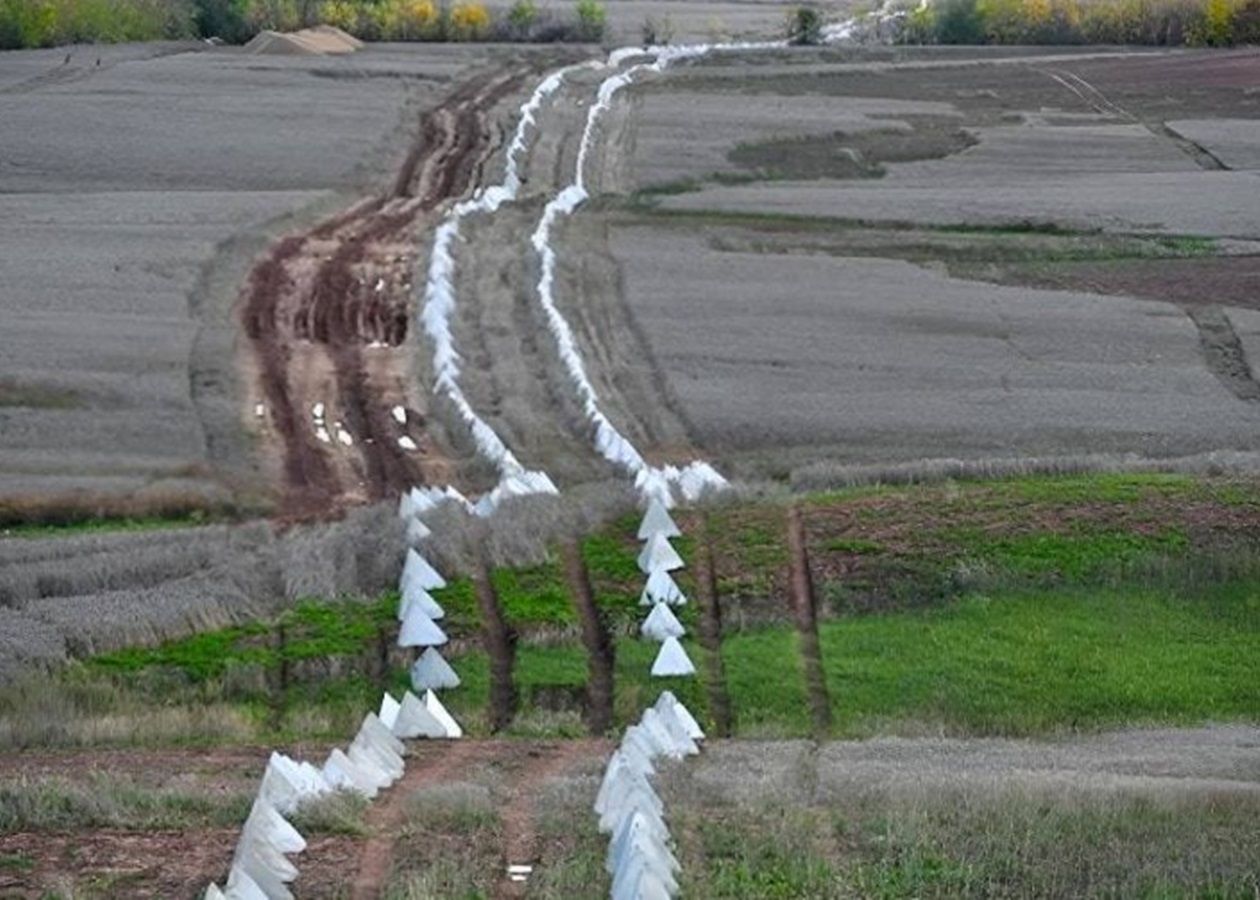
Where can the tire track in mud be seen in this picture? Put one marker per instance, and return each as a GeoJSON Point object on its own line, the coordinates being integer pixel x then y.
{"type": "Point", "coordinates": [326, 314]}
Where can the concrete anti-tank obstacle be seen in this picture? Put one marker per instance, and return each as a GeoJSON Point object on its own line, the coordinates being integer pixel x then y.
{"type": "Point", "coordinates": [241, 887]}
{"type": "Point", "coordinates": [661, 624]}
{"type": "Point", "coordinates": [343, 772]}
{"type": "Point", "coordinates": [416, 532]}
{"type": "Point", "coordinates": [213, 893]}
{"type": "Point", "coordinates": [668, 702]}
{"type": "Point", "coordinates": [418, 571]}
{"type": "Point", "coordinates": [413, 595]}
{"type": "Point", "coordinates": [672, 660]}
{"type": "Point", "coordinates": [418, 630]}
{"type": "Point", "coordinates": [657, 521]}
{"type": "Point", "coordinates": [661, 588]}
{"type": "Point", "coordinates": [676, 745]}
{"type": "Point", "coordinates": [369, 767]}
{"type": "Point", "coordinates": [435, 707]}
{"type": "Point", "coordinates": [411, 718]}
{"type": "Point", "coordinates": [659, 554]}
{"type": "Point", "coordinates": [271, 872]}
{"type": "Point", "coordinates": [265, 824]}
{"type": "Point", "coordinates": [285, 783]}
{"type": "Point", "coordinates": [433, 673]}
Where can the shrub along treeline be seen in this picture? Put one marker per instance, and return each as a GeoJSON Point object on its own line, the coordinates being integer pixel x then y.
{"type": "Point", "coordinates": [50, 23]}
{"type": "Point", "coordinates": [1214, 23]}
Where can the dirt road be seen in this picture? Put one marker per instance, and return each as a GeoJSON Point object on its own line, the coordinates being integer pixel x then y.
{"type": "Point", "coordinates": [327, 313]}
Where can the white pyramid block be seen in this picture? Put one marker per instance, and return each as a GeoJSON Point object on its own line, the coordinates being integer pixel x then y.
{"type": "Point", "coordinates": [617, 776]}
{"type": "Point", "coordinates": [265, 824]}
{"type": "Point", "coordinates": [672, 660]}
{"type": "Point", "coordinates": [644, 848]}
{"type": "Point", "coordinates": [661, 588]}
{"type": "Point", "coordinates": [266, 871]}
{"type": "Point", "coordinates": [407, 507]}
{"type": "Point", "coordinates": [634, 799]}
{"type": "Point", "coordinates": [416, 570]}
{"type": "Point", "coordinates": [617, 786]}
{"type": "Point", "coordinates": [213, 893]}
{"type": "Point", "coordinates": [433, 673]}
{"type": "Point", "coordinates": [263, 861]}
{"type": "Point", "coordinates": [418, 630]}
{"type": "Point", "coordinates": [370, 766]}
{"type": "Point", "coordinates": [667, 700]}
{"type": "Point", "coordinates": [434, 705]}
{"type": "Point", "coordinates": [415, 721]}
{"type": "Point", "coordinates": [389, 711]}
{"type": "Point", "coordinates": [659, 554]}
{"type": "Point", "coordinates": [637, 758]}
{"type": "Point", "coordinates": [636, 828]}
{"type": "Point", "coordinates": [678, 732]}
{"type": "Point", "coordinates": [240, 886]}
{"type": "Point", "coordinates": [373, 727]}
{"type": "Point", "coordinates": [657, 521]}
{"type": "Point", "coordinates": [655, 729]}
{"type": "Point", "coordinates": [423, 499]}
{"type": "Point", "coordinates": [638, 736]}
{"type": "Point", "coordinates": [661, 624]}
{"type": "Point", "coordinates": [343, 773]}
{"type": "Point", "coordinates": [390, 763]}
{"type": "Point", "coordinates": [417, 531]}
{"type": "Point", "coordinates": [422, 599]}
{"type": "Point", "coordinates": [643, 884]}
{"type": "Point", "coordinates": [278, 787]}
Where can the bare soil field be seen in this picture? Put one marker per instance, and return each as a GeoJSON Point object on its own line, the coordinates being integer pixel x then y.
{"type": "Point", "coordinates": [771, 194]}
{"type": "Point", "coordinates": [130, 233]}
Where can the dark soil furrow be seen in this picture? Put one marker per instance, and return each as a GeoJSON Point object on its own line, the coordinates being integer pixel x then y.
{"type": "Point", "coordinates": [357, 302]}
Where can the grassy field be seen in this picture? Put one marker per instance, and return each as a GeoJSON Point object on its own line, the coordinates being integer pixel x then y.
{"type": "Point", "coordinates": [1020, 607]}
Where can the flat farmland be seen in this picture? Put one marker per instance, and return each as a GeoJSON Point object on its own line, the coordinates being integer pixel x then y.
{"type": "Point", "coordinates": [894, 255]}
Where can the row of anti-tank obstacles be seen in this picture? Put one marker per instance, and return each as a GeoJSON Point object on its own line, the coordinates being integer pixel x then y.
{"type": "Point", "coordinates": [628, 806]}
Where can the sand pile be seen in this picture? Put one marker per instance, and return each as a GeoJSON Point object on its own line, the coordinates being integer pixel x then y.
{"type": "Point", "coordinates": [318, 41]}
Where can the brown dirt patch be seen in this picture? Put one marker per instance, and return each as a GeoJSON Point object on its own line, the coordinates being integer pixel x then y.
{"type": "Point", "coordinates": [326, 314]}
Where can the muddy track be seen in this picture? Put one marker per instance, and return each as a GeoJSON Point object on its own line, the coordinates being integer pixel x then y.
{"type": "Point", "coordinates": [326, 314]}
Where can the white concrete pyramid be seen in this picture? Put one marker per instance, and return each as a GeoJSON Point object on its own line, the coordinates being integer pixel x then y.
{"type": "Point", "coordinates": [637, 758]}
{"type": "Point", "coordinates": [342, 772]}
{"type": "Point", "coordinates": [681, 743]}
{"type": "Point", "coordinates": [642, 884]}
{"type": "Point", "coordinates": [213, 893]}
{"type": "Point", "coordinates": [416, 570]}
{"type": "Point", "coordinates": [407, 508]}
{"type": "Point", "coordinates": [418, 630]}
{"type": "Point", "coordinates": [281, 784]}
{"type": "Point", "coordinates": [657, 521]}
{"type": "Point", "coordinates": [659, 554]}
{"type": "Point", "coordinates": [667, 703]}
{"type": "Point", "coordinates": [634, 799]}
{"type": "Point", "coordinates": [636, 827]}
{"type": "Point", "coordinates": [265, 824]}
{"type": "Point", "coordinates": [370, 765]}
{"type": "Point", "coordinates": [433, 673]}
{"type": "Point", "coordinates": [414, 720]}
{"type": "Point", "coordinates": [389, 710]}
{"type": "Point", "coordinates": [412, 595]}
{"type": "Point", "coordinates": [661, 588]}
{"type": "Point", "coordinates": [677, 731]}
{"type": "Point", "coordinates": [661, 624]}
{"type": "Point", "coordinates": [672, 660]}
{"type": "Point", "coordinates": [617, 784]}
{"type": "Point", "coordinates": [643, 847]}
{"type": "Point", "coordinates": [417, 531]}
{"type": "Point", "coordinates": [270, 871]}
{"type": "Point", "coordinates": [241, 887]}
{"type": "Point", "coordinates": [434, 705]}
{"type": "Point", "coordinates": [380, 735]}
